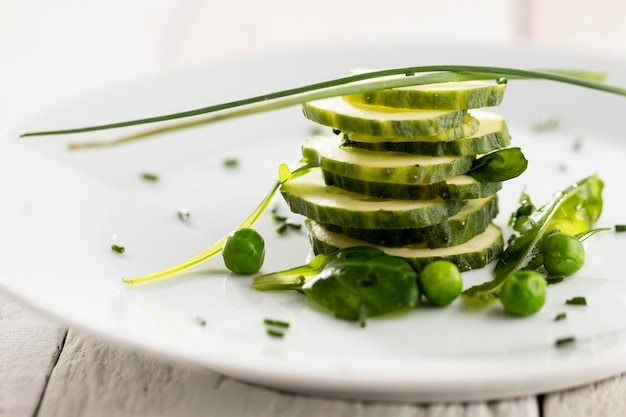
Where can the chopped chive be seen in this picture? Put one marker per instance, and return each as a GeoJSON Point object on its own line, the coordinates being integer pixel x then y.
{"type": "Point", "coordinates": [549, 123]}
{"type": "Point", "coordinates": [231, 162]}
{"type": "Point", "coordinates": [183, 214]}
{"type": "Point", "coordinates": [347, 85]}
{"type": "Point", "coordinates": [149, 176]}
{"type": "Point", "coordinates": [278, 218]}
{"type": "Point", "coordinates": [294, 226]}
{"type": "Point", "coordinates": [502, 80]}
{"type": "Point", "coordinates": [117, 248]}
{"type": "Point", "coordinates": [560, 316]}
{"type": "Point", "coordinates": [277, 323]}
{"type": "Point", "coordinates": [564, 341]}
{"type": "Point", "coordinates": [281, 229]}
{"type": "Point", "coordinates": [554, 279]}
{"type": "Point", "coordinates": [620, 227]}
{"type": "Point", "coordinates": [274, 333]}
{"type": "Point", "coordinates": [578, 301]}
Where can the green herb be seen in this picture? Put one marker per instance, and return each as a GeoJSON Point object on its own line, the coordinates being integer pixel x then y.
{"type": "Point", "coordinates": [560, 316]}
{"type": "Point", "coordinates": [200, 321]}
{"type": "Point", "coordinates": [183, 214]}
{"type": "Point", "coordinates": [287, 225]}
{"type": "Point", "coordinates": [275, 333]}
{"type": "Point", "coordinates": [564, 341]}
{"type": "Point", "coordinates": [276, 323]}
{"type": "Point", "coordinates": [549, 123]}
{"type": "Point", "coordinates": [578, 301]}
{"type": "Point", "coordinates": [371, 81]}
{"type": "Point", "coordinates": [279, 218]}
{"type": "Point", "coordinates": [620, 227]}
{"type": "Point", "coordinates": [573, 210]}
{"type": "Point", "coordinates": [117, 248]}
{"type": "Point", "coordinates": [148, 176]}
{"type": "Point", "coordinates": [231, 162]}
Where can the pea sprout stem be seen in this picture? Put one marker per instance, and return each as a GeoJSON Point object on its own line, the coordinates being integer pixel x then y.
{"type": "Point", "coordinates": [219, 245]}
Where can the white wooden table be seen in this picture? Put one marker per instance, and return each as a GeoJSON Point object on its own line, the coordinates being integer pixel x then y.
{"type": "Point", "coordinates": [54, 51]}
{"type": "Point", "coordinates": [48, 369]}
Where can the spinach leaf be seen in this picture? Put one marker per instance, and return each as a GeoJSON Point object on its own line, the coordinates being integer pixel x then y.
{"type": "Point", "coordinates": [499, 165]}
{"type": "Point", "coordinates": [351, 283]}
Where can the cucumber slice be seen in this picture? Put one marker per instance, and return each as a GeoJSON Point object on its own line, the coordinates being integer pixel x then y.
{"type": "Point", "coordinates": [387, 167]}
{"type": "Point", "coordinates": [471, 220]}
{"type": "Point", "coordinates": [380, 121]}
{"type": "Point", "coordinates": [310, 196]}
{"type": "Point", "coordinates": [460, 187]}
{"type": "Point", "coordinates": [452, 95]}
{"type": "Point", "coordinates": [474, 254]}
{"type": "Point", "coordinates": [465, 130]}
{"type": "Point", "coordinates": [492, 134]}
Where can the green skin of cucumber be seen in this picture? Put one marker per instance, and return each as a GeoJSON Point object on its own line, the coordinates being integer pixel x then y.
{"type": "Point", "coordinates": [343, 216]}
{"type": "Point", "coordinates": [401, 174]}
{"type": "Point", "coordinates": [468, 146]}
{"type": "Point", "coordinates": [382, 127]}
{"type": "Point", "coordinates": [440, 189]}
{"type": "Point", "coordinates": [308, 193]}
{"type": "Point", "coordinates": [466, 261]}
{"type": "Point", "coordinates": [454, 231]}
{"type": "Point", "coordinates": [415, 98]}
{"type": "Point", "coordinates": [469, 127]}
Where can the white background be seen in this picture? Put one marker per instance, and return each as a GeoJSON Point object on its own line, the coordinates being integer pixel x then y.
{"type": "Point", "coordinates": [53, 51]}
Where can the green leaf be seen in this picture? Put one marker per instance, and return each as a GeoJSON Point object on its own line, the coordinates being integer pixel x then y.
{"type": "Point", "coordinates": [352, 283]}
{"type": "Point", "coordinates": [572, 210]}
{"type": "Point", "coordinates": [360, 282]}
{"type": "Point", "coordinates": [499, 165]}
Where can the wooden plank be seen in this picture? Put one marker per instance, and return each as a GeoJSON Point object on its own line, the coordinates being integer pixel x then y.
{"type": "Point", "coordinates": [96, 378]}
{"type": "Point", "coordinates": [603, 399]}
{"type": "Point", "coordinates": [29, 349]}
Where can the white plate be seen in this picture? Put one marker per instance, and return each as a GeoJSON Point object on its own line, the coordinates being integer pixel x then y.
{"type": "Point", "coordinates": [62, 211]}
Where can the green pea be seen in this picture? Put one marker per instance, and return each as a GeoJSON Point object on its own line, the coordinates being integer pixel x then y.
{"type": "Point", "coordinates": [523, 293]}
{"type": "Point", "coordinates": [563, 254]}
{"type": "Point", "coordinates": [244, 251]}
{"type": "Point", "coordinates": [441, 282]}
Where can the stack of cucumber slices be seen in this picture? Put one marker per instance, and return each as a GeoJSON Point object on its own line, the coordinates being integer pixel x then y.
{"type": "Point", "coordinates": [394, 173]}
